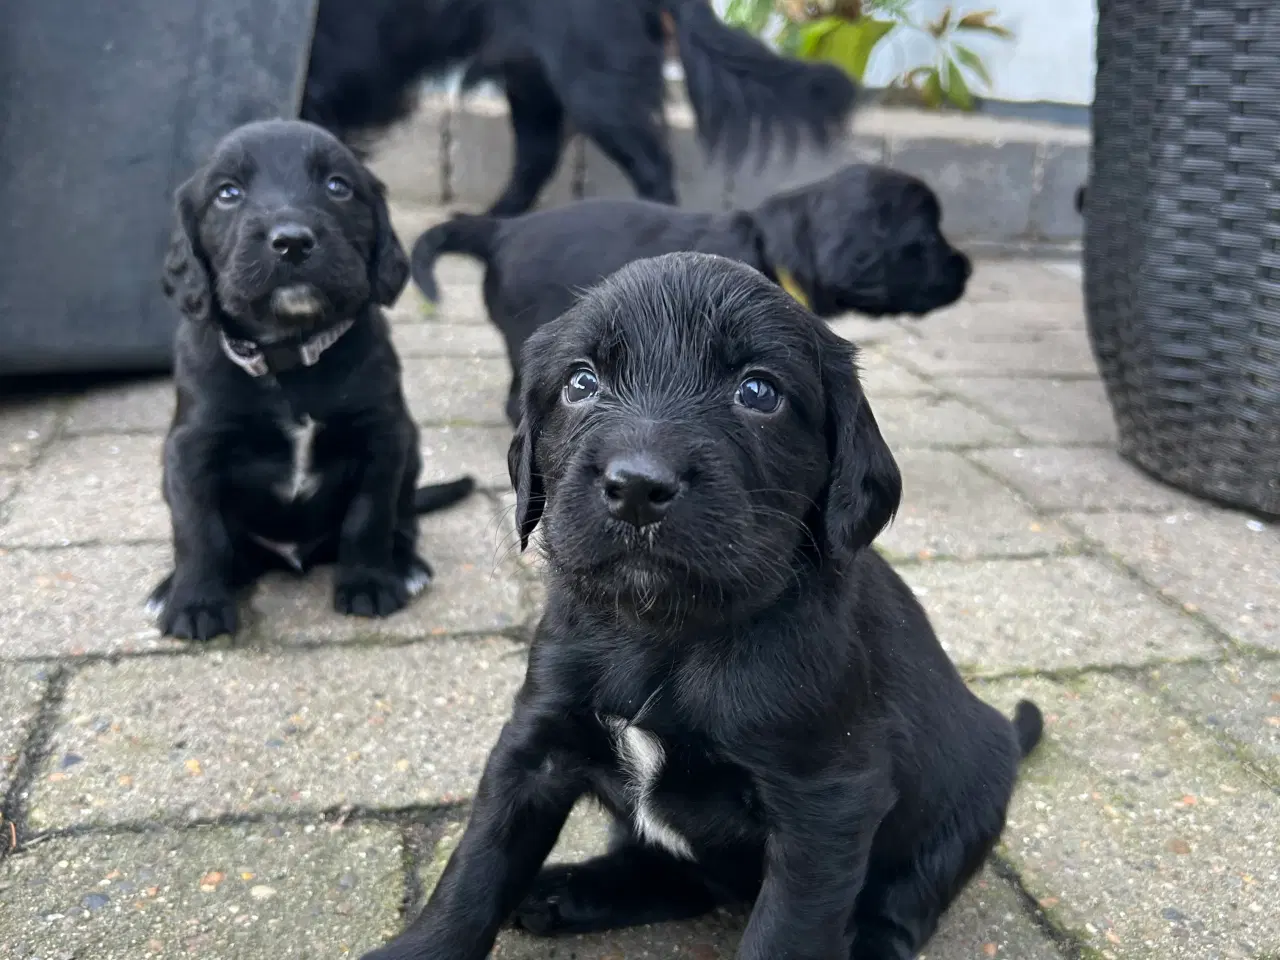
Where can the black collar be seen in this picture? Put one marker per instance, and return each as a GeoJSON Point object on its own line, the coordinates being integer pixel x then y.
{"type": "Point", "coordinates": [257, 360]}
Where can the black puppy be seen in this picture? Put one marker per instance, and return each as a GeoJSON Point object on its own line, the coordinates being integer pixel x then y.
{"type": "Point", "coordinates": [866, 238]}
{"type": "Point", "coordinates": [753, 693]}
{"type": "Point", "coordinates": [291, 444]}
{"type": "Point", "coordinates": [594, 63]}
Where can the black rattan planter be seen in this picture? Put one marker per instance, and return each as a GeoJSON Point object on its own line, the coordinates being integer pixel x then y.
{"type": "Point", "coordinates": [1182, 241]}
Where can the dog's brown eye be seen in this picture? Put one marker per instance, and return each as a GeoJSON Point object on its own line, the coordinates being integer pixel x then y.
{"type": "Point", "coordinates": [338, 188]}
{"type": "Point", "coordinates": [759, 394]}
{"type": "Point", "coordinates": [229, 195]}
{"type": "Point", "coordinates": [581, 385]}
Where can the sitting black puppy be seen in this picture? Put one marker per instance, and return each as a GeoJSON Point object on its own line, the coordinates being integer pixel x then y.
{"type": "Point", "coordinates": [291, 444]}
{"type": "Point", "coordinates": [866, 238]}
{"type": "Point", "coordinates": [751, 691]}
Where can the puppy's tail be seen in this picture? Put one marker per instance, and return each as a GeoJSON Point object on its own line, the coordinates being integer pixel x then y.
{"type": "Point", "coordinates": [738, 87]}
{"type": "Point", "coordinates": [1028, 725]}
{"type": "Point", "coordinates": [437, 496]}
{"type": "Point", "coordinates": [463, 233]}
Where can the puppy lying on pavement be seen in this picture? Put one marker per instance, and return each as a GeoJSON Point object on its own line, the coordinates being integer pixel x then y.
{"type": "Point", "coordinates": [866, 238]}
{"type": "Point", "coordinates": [291, 444]}
{"type": "Point", "coordinates": [724, 663]}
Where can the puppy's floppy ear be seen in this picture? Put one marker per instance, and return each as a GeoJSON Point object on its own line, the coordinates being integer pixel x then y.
{"type": "Point", "coordinates": [388, 263]}
{"type": "Point", "coordinates": [786, 238]}
{"type": "Point", "coordinates": [864, 487]}
{"type": "Point", "coordinates": [185, 278]}
{"type": "Point", "coordinates": [526, 476]}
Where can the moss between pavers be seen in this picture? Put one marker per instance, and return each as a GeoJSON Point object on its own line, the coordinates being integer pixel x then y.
{"type": "Point", "coordinates": [1138, 834]}
{"type": "Point", "coordinates": [255, 892]}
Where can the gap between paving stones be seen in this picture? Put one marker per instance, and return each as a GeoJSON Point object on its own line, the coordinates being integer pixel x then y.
{"type": "Point", "coordinates": [32, 755]}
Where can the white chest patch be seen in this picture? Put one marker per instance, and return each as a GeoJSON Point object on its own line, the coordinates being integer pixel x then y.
{"type": "Point", "coordinates": [302, 481]}
{"type": "Point", "coordinates": [642, 757]}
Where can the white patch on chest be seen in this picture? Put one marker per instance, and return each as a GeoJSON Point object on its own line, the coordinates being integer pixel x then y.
{"type": "Point", "coordinates": [302, 481]}
{"type": "Point", "coordinates": [642, 757]}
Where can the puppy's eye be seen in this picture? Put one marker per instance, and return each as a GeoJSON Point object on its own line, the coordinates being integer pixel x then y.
{"type": "Point", "coordinates": [337, 188]}
{"type": "Point", "coordinates": [228, 195]}
{"type": "Point", "coordinates": [759, 394]}
{"type": "Point", "coordinates": [582, 384]}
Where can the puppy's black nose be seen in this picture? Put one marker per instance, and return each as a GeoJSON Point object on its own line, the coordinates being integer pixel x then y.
{"type": "Point", "coordinates": [638, 490]}
{"type": "Point", "coordinates": [292, 241]}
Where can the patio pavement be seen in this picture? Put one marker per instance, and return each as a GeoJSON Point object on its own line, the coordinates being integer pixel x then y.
{"type": "Point", "coordinates": [288, 795]}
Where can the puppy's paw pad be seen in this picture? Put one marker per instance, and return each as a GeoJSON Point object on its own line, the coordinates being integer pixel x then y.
{"type": "Point", "coordinates": [540, 917]}
{"type": "Point", "coordinates": [200, 620]}
{"type": "Point", "coordinates": [370, 594]}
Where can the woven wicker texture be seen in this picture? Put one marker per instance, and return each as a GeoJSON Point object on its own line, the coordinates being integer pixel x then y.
{"type": "Point", "coordinates": [1182, 241]}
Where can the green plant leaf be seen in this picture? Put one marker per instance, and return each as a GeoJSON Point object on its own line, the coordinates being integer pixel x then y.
{"type": "Point", "coordinates": [846, 43]}
{"type": "Point", "coordinates": [789, 39]}
{"type": "Point", "coordinates": [957, 89]}
{"type": "Point", "coordinates": [750, 15]}
{"type": "Point", "coordinates": [968, 58]}
{"type": "Point", "coordinates": [931, 89]}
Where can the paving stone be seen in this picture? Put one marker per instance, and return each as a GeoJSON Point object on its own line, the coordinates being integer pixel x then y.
{"type": "Point", "coordinates": [1222, 563]}
{"type": "Point", "coordinates": [988, 912]}
{"type": "Point", "coordinates": [1079, 478]}
{"type": "Point", "coordinates": [26, 424]}
{"type": "Point", "coordinates": [409, 158]}
{"type": "Point", "coordinates": [700, 185]}
{"type": "Point", "coordinates": [8, 484]}
{"type": "Point", "coordinates": [410, 220]}
{"type": "Point", "coordinates": [91, 489]}
{"type": "Point", "coordinates": [1238, 702]}
{"type": "Point", "coordinates": [1046, 411]}
{"type": "Point", "coordinates": [985, 188]}
{"type": "Point", "coordinates": [140, 406]}
{"type": "Point", "coordinates": [864, 331]}
{"type": "Point", "coordinates": [951, 508]}
{"type": "Point", "coordinates": [881, 377]}
{"type": "Point", "coordinates": [448, 340]}
{"type": "Point", "coordinates": [222, 732]}
{"type": "Point", "coordinates": [1138, 834]}
{"type": "Point", "coordinates": [1053, 209]}
{"type": "Point", "coordinates": [458, 390]}
{"type": "Point", "coordinates": [481, 152]}
{"type": "Point", "coordinates": [1041, 353]}
{"type": "Point", "coordinates": [478, 451]}
{"type": "Point", "coordinates": [1011, 320]}
{"type": "Point", "coordinates": [932, 421]}
{"type": "Point", "coordinates": [21, 688]}
{"type": "Point", "coordinates": [79, 600]}
{"type": "Point", "coordinates": [254, 892]}
{"type": "Point", "coordinates": [998, 616]}
{"type": "Point", "coordinates": [475, 589]}
{"type": "Point", "coordinates": [995, 281]}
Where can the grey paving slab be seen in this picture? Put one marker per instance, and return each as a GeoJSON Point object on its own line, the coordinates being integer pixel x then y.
{"type": "Point", "coordinates": [996, 281]}
{"type": "Point", "coordinates": [481, 153]}
{"type": "Point", "coordinates": [237, 732]}
{"type": "Point", "coordinates": [998, 321]}
{"type": "Point", "coordinates": [1046, 353]}
{"type": "Point", "coordinates": [986, 917]}
{"type": "Point", "coordinates": [864, 331]}
{"type": "Point", "coordinates": [458, 390]}
{"type": "Point", "coordinates": [8, 484]}
{"type": "Point", "coordinates": [475, 589]}
{"type": "Point", "coordinates": [26, 424]}
{"type": "Point", "coordinates": [410, 220]}
{"type": "Point", "coordinates": [985, 188]}
{"type": "Point", "coordinates": [933, 421]}
{"type": "Point", "coordinates": [1138, 834]}
{"type": "Point", "coordinates": [1078, 478]}
{"type": "Point", "coordinates": [103, 489]}
{"type": "Point", "coordinates": [998, 616]}
{"type": "Point", "coordinates": [1223, 564]}
{"type": "Point", "coordinates": [1053, 210]}
{"type": "Point", "coordinates": [700, 184]}
{"type": "Point", "coordinates": [1046, 411]}
{"type": "Point", "coordinates": [21, 690]}
{"type": "Point", "coordinates": [448, 340]}
{"type": "Point", "coordinates": [881, 377]}
{"type": "Point", "coordinates": [79, 600]}
{"type": "Point", "coordinates": [257, 892]}
{"type": "Point", "coordinates": [479, 451]}
{"type": "Point", "coordinates": [139, 406]}
{"type": "Point", "coordinates": [1238, 702]}
{"type": "Point", "coordinates": [951, 508]}
{"type": "Point", "coordinates": [410, 157]}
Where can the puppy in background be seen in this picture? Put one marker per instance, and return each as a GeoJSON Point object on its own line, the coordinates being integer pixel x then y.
{"type": "Point", "coordinates": [291, 444]}
{"type": "Point", "coordinates": [724, 663]}
{"type": "Point", "coordinates": [866, 238]}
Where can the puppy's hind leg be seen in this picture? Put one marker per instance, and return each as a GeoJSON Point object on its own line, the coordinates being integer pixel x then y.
{"type": "Point", "coordinates": [537, 120]}
{"type": "Point", "coordinates": [631, 885]}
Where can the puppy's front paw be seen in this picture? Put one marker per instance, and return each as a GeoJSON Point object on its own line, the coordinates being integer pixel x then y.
{"type": "Point", "coordinates": [192, 615]}
{"type": "Point", "coordinates": [363, 592]}
{"type": "Point", "coordinates": [552, 905]}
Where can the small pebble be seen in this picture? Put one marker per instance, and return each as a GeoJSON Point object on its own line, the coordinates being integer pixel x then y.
{"type": "Point", "coordinates": [261, 892]}
{"type": "Point", "coordinates": [70, 760]}
{"type": "Point", "coordinates": [95, 901]}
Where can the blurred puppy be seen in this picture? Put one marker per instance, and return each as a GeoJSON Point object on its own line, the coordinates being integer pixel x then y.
{"type": "Point", "coordinates": [724, 663]}
{"type": "Point", "coordinates": [866, 238]}
{"type": "Point", "coordinates": [291, 444]}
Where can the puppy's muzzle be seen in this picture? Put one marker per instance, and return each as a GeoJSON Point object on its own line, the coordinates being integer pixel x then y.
{"type": "Point", "coordinates": [639, 489]}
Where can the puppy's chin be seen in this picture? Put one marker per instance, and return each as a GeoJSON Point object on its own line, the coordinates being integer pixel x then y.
{"type": "Point", "coordinates": [299, 304]}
